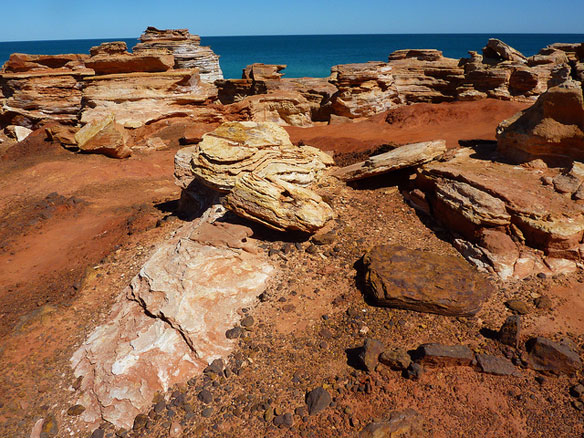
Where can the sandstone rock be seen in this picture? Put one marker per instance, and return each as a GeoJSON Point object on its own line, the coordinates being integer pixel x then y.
{"type": "Point", "coordinates": [262, 72]}
{"type": "Point", "coordinates": [552, 129]}
{"type": "Point", "coordinates": [499, 51]}
{"type": "Point", "coordinates": [186, 48]}
{"type": "Point", "coordinates": [278, 204]}
{"type": "Point", "coordinates": [409, 155]}
{"type": "Point", "coordinates": [549, 356]}
{"type": "Point", "coordinates": [181, 303]}
{"type": "Point", "coordinates": [103, 137]}
{"type": "Point", "coordinates": [438, 355]}
{"type": "Point", "coordinates": [21, 63]}
{"type": "Point", "coordinates": [420, 54]}
{"type": "Point", "coordinates": [19, 133]}
{"type": "Point", "coordinates": [140, 98]}
{"type": "Point", "coordinates": [63, 134]}
{"type": "Point", "coordinates": [396, 358]}
{"type": "Point", "coordinates": [517, 306]}
{"type": "Point", "coordinates": [369, 354]}
{"type": "Point", "coordinates": [317, 400]}
{"type": "Point", "coordinates": [510, 331]}
{"type": "Point", "coordinates": [406, 424]}
{"type": "Point", "coordinates": [284, 108]}
{"type": "Point", "coordinates": [422, 281]}
{"type": "Point", "coordinates": [496, 366]}
{"type": "Point", "coordinates": [112, 58]}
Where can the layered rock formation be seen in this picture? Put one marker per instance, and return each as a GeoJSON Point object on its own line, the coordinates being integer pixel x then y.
{"type": "Point", "coordinates": [186, 48]}
{"type": "Point", "coordinates": [266, 178]}
{"type": "Point", "coordinates": [111, 58]}
{"type": "Point", "coordinates": [172, 323]}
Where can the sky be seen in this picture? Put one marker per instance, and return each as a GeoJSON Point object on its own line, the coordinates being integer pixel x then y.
{"type": "Point", "coordinates": [26, 20]}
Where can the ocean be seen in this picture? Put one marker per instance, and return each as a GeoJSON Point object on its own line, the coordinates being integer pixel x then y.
{"type": "Point", "coordinates": [313, 55]}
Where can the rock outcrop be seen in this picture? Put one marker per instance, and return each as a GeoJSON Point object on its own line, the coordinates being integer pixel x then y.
{"type": "Point", "coordinates": [266, 178]}
{"type": "Point", "coordinates": [172, 323]}
{"type": "Point", "coordinates": [186, 48]}
{"type": "Point", "coordinates": [552, 129]}
{"type": "Point", "coordinates": [416, 280]}
{"type": "Point", "coordinates": [113, 58]}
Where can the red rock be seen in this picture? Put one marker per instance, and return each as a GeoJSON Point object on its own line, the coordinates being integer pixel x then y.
{"type": "Point", "coordinates": [111, 59]}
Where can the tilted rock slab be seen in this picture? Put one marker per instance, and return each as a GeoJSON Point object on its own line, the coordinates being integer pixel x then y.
{"type": "Point", "coordinates": [105, 137]}
{"type": "Point", "coordinates": [172, 323]}
{"type": "Point", "coordinates": [402, 157]}
{"type": "Point", "coordinates": [425, 282]}
{"type": "Point", "coordinates": [265, 177]}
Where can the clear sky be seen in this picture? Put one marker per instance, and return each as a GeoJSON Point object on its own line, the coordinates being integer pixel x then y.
{"type": "Point", "coordinates": [77, 19]}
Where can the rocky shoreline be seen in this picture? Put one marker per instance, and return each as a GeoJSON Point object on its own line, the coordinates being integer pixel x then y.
{"type": "Point", "coordinates": [293, 290]}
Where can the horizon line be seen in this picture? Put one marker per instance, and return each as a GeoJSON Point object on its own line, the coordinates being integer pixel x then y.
{"type": "Point", "coordinates": [311, 34]}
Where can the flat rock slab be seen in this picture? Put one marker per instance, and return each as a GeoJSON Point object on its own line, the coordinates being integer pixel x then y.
{"type": "Point", "coordinates": [422, 281]}
{"type": "Point", "coordinates": [402, 157]}
{"type": "Point", "coordinates": [552, 357]}
{"type": "Point", "coordinates": [497, 366]}
{"type": "Point", "coordinates": [438, 355]}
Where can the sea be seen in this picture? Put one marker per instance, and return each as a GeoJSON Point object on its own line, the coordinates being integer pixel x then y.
{"type": "Point", "coordinates": [312, 55]}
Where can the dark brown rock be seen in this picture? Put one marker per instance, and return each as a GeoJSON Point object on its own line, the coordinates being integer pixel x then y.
{"type": "Point", "coordinates": [438, 355]}
{"type": "Point", "coordinates": [317, 400]}
{"type": "Point", "coordinates": [369, 354]}
{"type": "Point", "coordinates": [426, 282]}
{"type": "Point", "coordinates": [496, 365]}
{"type": "Point", "coordinates": [396, 358]}
{"type": "Point", "coordinates": [549, 356]}
{"type": "Point", "coordinates": [518, 306]}
{"type": "Point", "coordinates": [510, 331]}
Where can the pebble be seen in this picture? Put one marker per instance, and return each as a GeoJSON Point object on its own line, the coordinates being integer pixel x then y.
{"type": "Point", "coordinates": [247, 322]}
{"type": "Point", "coordinates": [207, 412]}
{"type": "Point", "coordinates": [543, 302]}
{"type": "Point", "coordinates": [140, 421]}
{"type": "Point", "coordinates": [518, 306]}
{"type": "Point", "coordinates": [317, 400]}
{"type": "Point", "coordinates": [75, 410]}
{"type": "Point", "coordinates": [233, 333]}
{"type": "Point", "coordinates": [98, 433]}
{"type": "Point", "coordinates": [205, 396]}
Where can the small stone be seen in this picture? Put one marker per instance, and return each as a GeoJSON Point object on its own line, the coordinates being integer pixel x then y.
{"type": "Point", "coordinates": [207, 412]}
{"type": "Point", "coordinates": [396, 358]}
{"type": "Point", "coordinates": [510, 331]}
{"type": "Point", "coordinates": [317, 400]}
{"type": "Point", "coordinates": [50, 427]}
{"type": "Point", "coordinates": [548, 356]}
{"type": "Point", "coordinates": [324, 239]}
{"type": "Point", "coordinates": [233, 333]}
{"type": "Point", "coordinates": [76, 410]}
{"type": "Point", "coordinates": [311, 249]}
{"type": "Point", "coordinates": [269, 414]}
{"type": "Point", "coordinates": [215, 367]}
{"type": "Point", "coordinates": [414, 371]}
{"type": "Point", "coordinates": [518, 306]}
{"type": "Point", "coordinates": [159, 407]}
{"type": "Point", "coordinates": [369, 354]}
{"type": "Point", "coordinates": [543, 302]}
{"type": "Point", "coordinates": [98, 433]}
{"type": "Point", "coordinates": [205, 396]}
{"type": "Point", "coordinates": [496, 366]}
{"type": "Point", "coordinates": [247, 322]}
{"type": "Point", "coordinates": [139, 422]}
{"type": "Point", "coordinates": [438, 355]}
{"type": "Point", "coordinates": [288, 419]}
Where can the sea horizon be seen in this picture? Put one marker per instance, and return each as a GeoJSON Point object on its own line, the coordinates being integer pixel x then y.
{"type": "Point", "coordinates": [312, 55]}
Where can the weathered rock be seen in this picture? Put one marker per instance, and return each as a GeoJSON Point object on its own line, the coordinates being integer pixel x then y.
{"type": "Point", "coordinates": [112, 58]}
{"type": "Point", "coordinates": [402, 157]}
{"type": "Point", "coordinates": [405, 424]}
{"type": "Point", "coordinates": [318, 400]}
{"type": "Point", "coordinates": [552, 129]}
{"type": "Point", "coordinates": [510, 331]}
{"type": "Point", "coordinates": [181, 303]}
{"type": "Point", "coordinates": [438, 355]}
{"type": "Point", "coordinates": [103, 137]}
{"type": "Point", "coordinates": [19, 133]}
{"type": "Point", "coordinates": [396, 358]}
{"type": "Point", "coordinates": [63, 134]}
{"type": "Point", "coordinates": [139, 98]}
{"type": "Point", "coordinates": [549, 356]}
{"type": "Point", "coordinates": [284, 108]}
{"type": "Point", "coordinates": [423, 281]}
{"type": "Point", "coordinates": [517, 306]}
{"type": "Point", "coordinates": [186, 48]}
{"type": "Point", "coordinates": [369, 354]}
{"type": "Point", "coordinates": [262, 72]}
{"type": "Point", "coordinates": [497, 366]}
{"type": "Point", "coordinates": [498, 51]}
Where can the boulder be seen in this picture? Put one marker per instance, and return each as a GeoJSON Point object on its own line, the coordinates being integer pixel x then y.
{"type": "Point", "coordinates": [171, 324]}
{"type": "Point", "coordinates": [186, 49]}
{"type": "Point", "coordinates": [402, 157]}
{"type": "Point", "coordinates": [105, 137]}
{"type": "Point", "coordinates": [112, 58]}
{"type": "Point", "coordinates": [282, 107]}
{"type": "Point", "coordinates": [551, 357]}
{"type": "Point", "coordinates": [422, 281]}
{"type": "Point", "coordinates": [498, 51]}
{"type": "Point", "coordinates": [552, 129]}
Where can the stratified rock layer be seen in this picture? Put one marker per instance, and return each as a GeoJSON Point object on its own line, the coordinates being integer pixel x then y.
{"type": "Point", "coordinates": [416, 280]}
{"type": "Point", "coordinates": [103, 136]}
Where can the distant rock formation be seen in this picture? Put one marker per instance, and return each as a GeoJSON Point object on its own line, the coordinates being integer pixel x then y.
{"type": "Point", "coordinates": [186, 48]}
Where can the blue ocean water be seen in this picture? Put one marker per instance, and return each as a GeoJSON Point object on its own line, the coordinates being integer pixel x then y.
{"type": "Point", "coordinates": [314, 55]}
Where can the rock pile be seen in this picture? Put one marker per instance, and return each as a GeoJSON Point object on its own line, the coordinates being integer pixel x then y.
{"type": "Point", "coordinates": [263, 176]}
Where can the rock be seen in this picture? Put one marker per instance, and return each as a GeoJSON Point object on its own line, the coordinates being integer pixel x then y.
{"type": "Point", "coordinates": [50, 427]}
{"type": "Point", "coordinates": [552, 129]}
{"type": "Point", "coordinates": [510, 331]}
{"type": "Point", "coordinates": [438, 355]}
{"type": "Point", "coordinates": [98, 433]}
{"type": "Point", "coordinates": [139, 422]}
{"type": "Point", "coordinates": [205, 396]}
{"type": "Point", "coordinates": [409, 155]}
{"type": "Point", "coordinates": [247, 322]}
{"type": "Point", "coordinates": [19, 133]}
{"type": "Point", "coordinates": [233, 333]}
{"type": "Point", "coordinates": [173, 321]}
{"type": "Point", "coordinates": [65, 135]}
{"type": "Point", "coordinates": [186, 49]}
{"type": "Point", "coordinates": [543, 302]}
{"type": "Point", "coordinates": [369, 354]}
{"type": "Point", "coordinates": [496, 365]}
{"type": "Point", "coordinates": [106, 61]}
{"type": "Point", "coordinates": [317, 400]}
{"type": "Point", "coordinates": [414, 371]}
{"type": "Point", "coordinates": [425, 282]}
{"type": "Point", "coordinates": [577, 390]}
{"type": "Point", "coordinates": [103, 137]}
{"type": "Point", "coordinates": [287, 108]}
{"type": "Point", "coordinates": [75, 410]}
{"type": "Point", "coordinates": [396, 358]}
{"type": "Point", "coordinates": [499, 51]}
{"type": "Point", "coordinates": [262, 72]}
{"type": "Point", "coordinates": [549, 356]}
{"type": "Point", "coordinates": [407, 424]}
{"type": "Point", "coordinates": [518, 306]}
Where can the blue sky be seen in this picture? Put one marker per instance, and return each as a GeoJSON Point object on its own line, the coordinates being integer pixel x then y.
{"type": "Point", "coordinates": [68, 19]}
